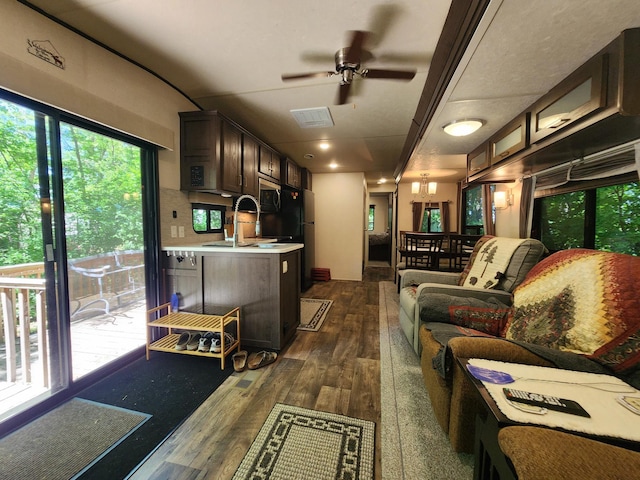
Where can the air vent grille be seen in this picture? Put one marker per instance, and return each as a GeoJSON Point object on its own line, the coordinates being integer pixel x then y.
{"type": "Point", "coordinates": [313, 117]}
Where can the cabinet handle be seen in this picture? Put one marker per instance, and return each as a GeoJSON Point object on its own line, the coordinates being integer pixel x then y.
{"type": "Point", "coordinates": [240, 180]}
{"type": "Point", "coordinates": [504, 154]}
{"type": "Point", "coordinates": [559, 123]}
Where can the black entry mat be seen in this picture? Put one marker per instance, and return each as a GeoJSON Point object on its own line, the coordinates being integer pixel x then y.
{"type": "Point", "coordinates": [169, 387]}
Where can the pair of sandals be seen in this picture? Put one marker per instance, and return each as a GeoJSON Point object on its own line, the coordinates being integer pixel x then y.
{"type": "Point", "coordinates": [242, 360]}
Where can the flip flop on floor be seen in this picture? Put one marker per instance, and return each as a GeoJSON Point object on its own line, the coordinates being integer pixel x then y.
{"type": "Point", "coordinates": [260, 359]}
{"type": "Point", "coordinates": [240, 361]}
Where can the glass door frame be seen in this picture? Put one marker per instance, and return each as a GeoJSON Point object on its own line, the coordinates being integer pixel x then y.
{"type": "Point", "coordinates": [47, 122]}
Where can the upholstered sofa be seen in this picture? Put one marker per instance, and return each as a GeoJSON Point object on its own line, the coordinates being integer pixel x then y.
{"type": "Point", "coordinates": [417, 284]}
{"type": "Point", "coordinates": [576, 309]}
{"type": "Point", "coordinates": [541, 453]}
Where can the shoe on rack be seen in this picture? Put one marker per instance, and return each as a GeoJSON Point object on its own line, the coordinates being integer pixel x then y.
{"type": "Point", "coordinates": [205, 342]}
{"type": "Point", "coordinates": [194, 342]}
{"type": "Point", "coordinates": [216, 344]}
{"type": "Point", "coordinates": [183, 341]}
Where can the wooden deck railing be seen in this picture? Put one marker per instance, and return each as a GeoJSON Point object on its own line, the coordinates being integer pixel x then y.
{"type": "Point", "coordinates": [23, 307]}
{"type": "Point", "coordinates": [16, 297]}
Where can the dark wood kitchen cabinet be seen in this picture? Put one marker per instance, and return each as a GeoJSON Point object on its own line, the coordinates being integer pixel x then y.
{"type": "Point", "coordinates": [210, 153]}
{"type": "Point", "coordinates": [250, 160]}
{"type": "Point", "coordinates": [293, 177]}
{"type": "Point", "coordinates": [270, 162]}
{"type": "Point", "coordinates": [265, 285]}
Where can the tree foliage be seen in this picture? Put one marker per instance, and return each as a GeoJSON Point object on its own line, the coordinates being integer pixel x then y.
{"type": "Point", "coordinates": [101, 191]}
{"type": "Point", "coordinates": [616, 216]}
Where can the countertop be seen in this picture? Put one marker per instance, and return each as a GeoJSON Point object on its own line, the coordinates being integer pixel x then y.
{"type": "Point", "coordinates": [261, 247]}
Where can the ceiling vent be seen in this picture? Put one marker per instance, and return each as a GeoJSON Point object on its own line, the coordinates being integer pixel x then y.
{"type": "Point", "coordinates": [313, 117]}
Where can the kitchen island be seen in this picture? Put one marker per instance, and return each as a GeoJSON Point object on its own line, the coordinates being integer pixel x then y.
{"type": "Point", "coordinates": [262, 279]}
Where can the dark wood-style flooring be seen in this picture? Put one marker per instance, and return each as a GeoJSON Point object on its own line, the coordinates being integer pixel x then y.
{"type": "Point", "coordinates": [336, 369]}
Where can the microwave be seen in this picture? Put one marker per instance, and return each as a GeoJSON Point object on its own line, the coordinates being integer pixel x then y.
{"type": "Point", "coordinates": [269, 196]}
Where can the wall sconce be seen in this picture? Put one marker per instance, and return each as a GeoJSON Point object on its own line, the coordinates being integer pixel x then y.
{"type": "Point", "coordinates": [502, 200]}
{"type": "Point", "coordinates": [460, 128]}
{"type": "Point", "coordinates": [423, 187]}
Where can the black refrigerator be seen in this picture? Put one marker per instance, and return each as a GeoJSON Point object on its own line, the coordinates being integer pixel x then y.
{"type": "Point", "coordinates": [295, 223]}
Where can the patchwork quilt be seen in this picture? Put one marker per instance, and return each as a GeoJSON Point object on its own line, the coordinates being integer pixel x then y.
{"type": "Point", "coordinates": [582, 301]}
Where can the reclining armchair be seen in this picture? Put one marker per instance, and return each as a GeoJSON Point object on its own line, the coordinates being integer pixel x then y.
{"type": "Point", "coordinates": [496, 267]}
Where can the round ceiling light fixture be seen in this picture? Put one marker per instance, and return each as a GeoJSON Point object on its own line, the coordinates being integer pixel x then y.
{"type": "Point", "coordinates": [460, 128]}
{"type": "Point", "coordinates": [309, 156]}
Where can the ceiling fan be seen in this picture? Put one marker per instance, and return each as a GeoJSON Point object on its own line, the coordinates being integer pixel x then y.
{"type": "Point", "coordinates": [348, 62]}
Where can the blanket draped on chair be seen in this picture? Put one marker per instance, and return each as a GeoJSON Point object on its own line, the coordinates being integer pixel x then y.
{"type": "Point", "coordinates": [491, 262]}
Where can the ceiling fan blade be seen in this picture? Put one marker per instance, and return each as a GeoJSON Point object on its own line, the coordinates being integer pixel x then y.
{"type": "Point", "coordinates": [383, 17]}
{"type": "Point", "coordinates": [343, 93]}
{"type": "Point", "coordinates": [354, 50]}
{"type": "Point", "coordinates": [391, 74]}
{"type": "Point", "coordinates": [316, 56]}
{"type": "Point", "coordinates": [299, 76]}
{"type": "Point", "coordinates": [406, 58]}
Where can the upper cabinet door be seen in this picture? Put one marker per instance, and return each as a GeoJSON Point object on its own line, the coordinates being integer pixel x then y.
{"type": "Point", "coordinates": [478, 160]}
{"type": "Point", "coordinates": [250, 157]}
{"type": "Point", "coordinates": [292, 172]}
{"type": "Point", "coordinates": [200, 142]}
{"type": "Point", "coordinates": [511, 139]}
{"type": "Point", "coordinates": [231, 158]}
{"type": "Point", "coordinates": [581, 93]}
{"type": "Point", "coordinates": [269, 162]}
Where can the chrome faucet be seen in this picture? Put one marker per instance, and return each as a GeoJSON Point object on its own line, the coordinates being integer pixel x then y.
{"type": "Point", "coordinates": [235, 218]}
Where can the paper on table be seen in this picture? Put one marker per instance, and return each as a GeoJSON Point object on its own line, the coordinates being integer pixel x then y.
{"type": "Point", "coordinates": [608, 417]}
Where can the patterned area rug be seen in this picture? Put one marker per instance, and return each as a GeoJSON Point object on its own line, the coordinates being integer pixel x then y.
{"type": "Point", "coordinates": [297, 443]}
{"type": "Point", "coordinates": [313, 311]}
{"type": "Point", "coordinates": [66, 441]}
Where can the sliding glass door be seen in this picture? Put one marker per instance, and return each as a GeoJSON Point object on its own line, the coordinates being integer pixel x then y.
{"type": "Point", "coordinates": [73, 273]}
{"type": "Point", "coordinates": [101, 182]}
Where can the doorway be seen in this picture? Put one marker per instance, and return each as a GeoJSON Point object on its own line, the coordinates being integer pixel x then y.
{"type": "Point", "coordinates": [379, 231]}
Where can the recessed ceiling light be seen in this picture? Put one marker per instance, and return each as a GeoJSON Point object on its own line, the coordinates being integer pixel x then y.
{"type": "Point", "coordinates": [333, 165]}
{"type": "Point", "coordinates": [460, 128]}
{"type": "Point", "coordinates": [324, 146]}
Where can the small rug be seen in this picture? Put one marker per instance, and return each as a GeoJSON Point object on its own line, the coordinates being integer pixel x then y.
{"type": "Point", "coordinates": [66, 441]}
{"type": "Point", "coordinates": [297, 443]}
{"type": "Point", "coordinates": [313, 311]}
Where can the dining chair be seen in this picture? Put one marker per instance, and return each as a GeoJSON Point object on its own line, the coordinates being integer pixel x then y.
{"type": "Point", "coordinates": [460, 248]}
{"type": "Point", "coordinates": [423, 250]}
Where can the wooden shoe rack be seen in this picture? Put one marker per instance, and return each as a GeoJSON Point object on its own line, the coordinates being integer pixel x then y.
{"type": "Point", "coordinates": [196, 322]}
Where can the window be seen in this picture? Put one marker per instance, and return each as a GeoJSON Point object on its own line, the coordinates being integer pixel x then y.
{"type": "Point", "coordinates": [372, 217]}
{"type": "Point", "coordinates": [472, 217]}
{"type": "Point", "coordinates": [207, 218]}
{"type": "Point", "coordinates": [561, 223]}
{"type": "Point", "coordinates": [604, 218]}
{"type": "Point", "coordinates": [431, 220]}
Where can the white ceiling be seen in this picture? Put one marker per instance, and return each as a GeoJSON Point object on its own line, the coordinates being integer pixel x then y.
{"type": "Point", "coordinates": [230, 55]}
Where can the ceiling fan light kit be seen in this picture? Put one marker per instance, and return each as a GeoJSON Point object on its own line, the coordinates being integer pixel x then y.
{"type": "Point", "coordinates": [347, 62]}
{"type": "Point", "coordinates": [461, 128]}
